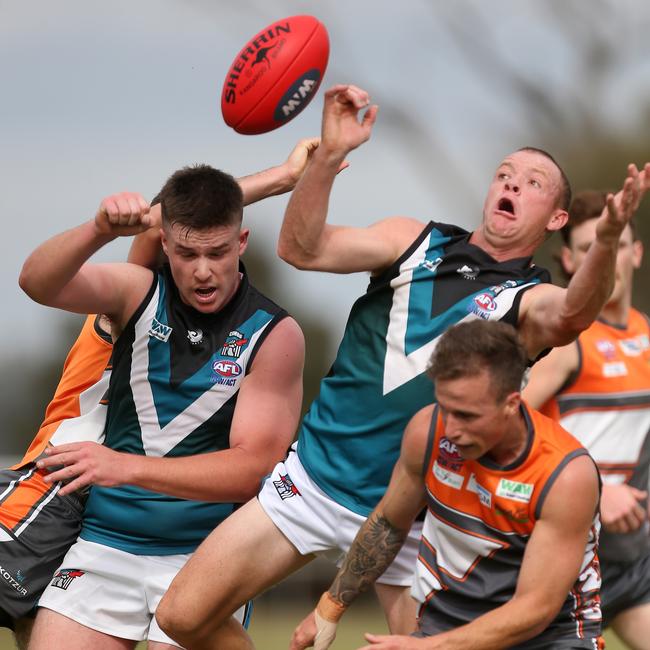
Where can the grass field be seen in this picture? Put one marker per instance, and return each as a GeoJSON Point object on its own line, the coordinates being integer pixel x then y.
{"type": "Point", "coordinates": [272, 625]}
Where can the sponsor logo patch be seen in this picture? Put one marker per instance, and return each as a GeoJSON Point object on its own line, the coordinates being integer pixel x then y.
{"type": "Point", "coordinates": [160, 331]}
{"type": "Point", "coordinates": [286, 488]}
{"type": "Point", "coordinates": [431, 265]}
{"type": "Point", "coordinates": [484, 495]}
{"type": "Point", "coordinates": [234, 345]}
{"type": "Point", "coordinates": [515, 490]}
{"type": "Point", "coordinates": [634, 347]}
{"type": "Point", "coordinates": [64, 577]}
{"type": "Point", "coordinates": [468, 272]}
{"type": "Point", "coordinates": [606, 348]}
{"type": "Point", "coordinates": [14, 582]}
{"type": "Point", "coordinates": [485, 302]}
{"type": "Point", "coordinates": [518, 515]}
{"type": "Point", "coordinates": [448, 478]}
{"type": "Point", "coordinates": [448, 455]}
{"type": "Point", "coordinates": [227, 368]}
{"type": "Point", "coordinates": [614, 369]}
{"type": "Point", "coordinates": [195, 336]}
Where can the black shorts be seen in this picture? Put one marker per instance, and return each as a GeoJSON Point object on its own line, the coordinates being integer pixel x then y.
{"type": "Point", "coordinates": [625, 585]}
{"type": "Point", "coordinates": [37, 527]}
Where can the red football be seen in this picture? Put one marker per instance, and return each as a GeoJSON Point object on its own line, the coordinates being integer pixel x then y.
{"type": "Point", "coordinates": [275, 75]}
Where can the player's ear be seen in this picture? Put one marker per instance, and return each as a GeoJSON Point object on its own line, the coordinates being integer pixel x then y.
{"type": "Point", "coordinates": [163, 241]}
{"type": "Point", "coordinates": [637, 253]}
{"type": "Point", "coordinates": [243, 239]}
{"type": "Point", "coordinates": [512, 403]}
{"type": "Point", "coordinates": [557, 220]}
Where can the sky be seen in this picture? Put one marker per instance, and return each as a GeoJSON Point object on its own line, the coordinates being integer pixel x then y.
{"type": "Point", "coordinates": [105, 97]}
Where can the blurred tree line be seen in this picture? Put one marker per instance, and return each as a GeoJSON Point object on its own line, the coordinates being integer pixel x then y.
{"type": "Point", "coordinates": [602, 36]}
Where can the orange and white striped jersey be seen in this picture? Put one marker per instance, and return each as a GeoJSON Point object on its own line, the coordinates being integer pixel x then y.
{"type": "Point", "coordinates": [605, 404]}
{"type": "Point", "coordinates": [479, 518]}
{"type": "Point", "coordinates": [77, 411]}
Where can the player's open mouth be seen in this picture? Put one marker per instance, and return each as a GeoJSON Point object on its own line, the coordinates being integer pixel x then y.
{"type": "Point", "coordinates": [505, 205]}
{"type": "Point", "coordinates": [205, 294]}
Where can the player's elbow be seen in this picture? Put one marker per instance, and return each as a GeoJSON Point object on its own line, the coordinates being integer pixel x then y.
{"type": "Point", "coordinates": [293, 254]}
{"type": "Point", "coordinates": [31, 283]}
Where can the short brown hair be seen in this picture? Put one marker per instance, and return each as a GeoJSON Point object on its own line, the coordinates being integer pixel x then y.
{"type": "Point", "coordinates": [466, 349]}
{"type": "Point", "coordinates": [198, 197]}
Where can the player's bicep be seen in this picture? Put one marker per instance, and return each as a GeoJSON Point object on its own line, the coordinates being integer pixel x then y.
{"type": "Point", "coordinates": [270, 397]}
{"type": "Point", "coordinates": [111, 289]}
{"type": "Point", "coordinates": [559, 543]}
{"type": "Point", "coordinates": [549, 374]}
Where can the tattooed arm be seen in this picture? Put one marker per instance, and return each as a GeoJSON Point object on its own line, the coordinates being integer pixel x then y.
{"type": "Point", "coordinates": [377, 542]}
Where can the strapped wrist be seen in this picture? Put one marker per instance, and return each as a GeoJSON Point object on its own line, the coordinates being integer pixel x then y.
{"type": "Point", "coordinates": [329, 608]}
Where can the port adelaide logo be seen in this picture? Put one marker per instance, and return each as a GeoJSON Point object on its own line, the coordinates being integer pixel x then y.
{"type": "Point", "coordinates": [64, 577]}
{"type": "Point", "coordinates": [286, 488]}
{"type": "Point", "coordinates": [234, 345]}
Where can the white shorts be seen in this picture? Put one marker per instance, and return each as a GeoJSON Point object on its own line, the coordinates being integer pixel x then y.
{"type": "Point", "coordinates": [315, 523]}
{"type": "Point", "coordinates": [114, 592]}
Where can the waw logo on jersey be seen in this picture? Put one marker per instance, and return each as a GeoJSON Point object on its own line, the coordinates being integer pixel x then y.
{"type": "Point", "coordinates": [159, 330]}
{"type": "Point", "coordinates": [515, 490]}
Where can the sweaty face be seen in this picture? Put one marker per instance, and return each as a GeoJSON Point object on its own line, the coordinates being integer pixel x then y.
{"type": "Point", "coordinates": [522, 202]}
{"type": "Point", "coordinates": [475, 420]}
{"type": "Point", "coordinates": [628, 257]}
{"type": "Point", "coordinates": [205, 263]}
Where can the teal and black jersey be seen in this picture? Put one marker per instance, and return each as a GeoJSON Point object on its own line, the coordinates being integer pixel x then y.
{"type": "Point", "coordinates": [173, 391]}
{"type": "Point", "coordinates": [351, 436]}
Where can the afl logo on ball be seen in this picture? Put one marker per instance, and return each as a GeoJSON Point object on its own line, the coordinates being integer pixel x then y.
{"type": "Point", "coordinates": [226, 368]}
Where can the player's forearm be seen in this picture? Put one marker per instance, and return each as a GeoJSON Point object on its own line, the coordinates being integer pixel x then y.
{"type": "Point", "coordinates": [55, 262]}
{"type": "Point", "coordinates": [374, 548]}
{"type": "Point", "coordinates": [276, 180]}
{"type": "Point", "coordinates": [228, 476]}
{"type": "Point", "coordinates": [303, 226]}
{"type": "Point", "coordinates": [517, 621]}
{"type": "Point", "coordinates": [589, 288]}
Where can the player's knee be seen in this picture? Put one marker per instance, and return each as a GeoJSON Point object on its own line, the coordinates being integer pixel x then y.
{"type": "Point", "coordinates": [174, 620]}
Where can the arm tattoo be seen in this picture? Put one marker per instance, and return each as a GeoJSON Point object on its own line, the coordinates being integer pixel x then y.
{"type": "Point", "coordinates": [373, 549]}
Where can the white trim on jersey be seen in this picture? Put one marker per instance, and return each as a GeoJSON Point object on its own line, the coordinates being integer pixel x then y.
{"type": "Point", "coordinates": [399, 367]}
{"type": "Point", "coordinates": [597, 431]}
{"type": "Point", "coordinates": [157, 440]}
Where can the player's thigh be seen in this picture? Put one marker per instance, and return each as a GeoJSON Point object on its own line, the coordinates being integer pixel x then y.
{"type": "Point", "coordinates": [53, 630]}
{"type": "Point", "coordinates": [242, 557]}
{"type": "Point", "coordinates": [633, 626]}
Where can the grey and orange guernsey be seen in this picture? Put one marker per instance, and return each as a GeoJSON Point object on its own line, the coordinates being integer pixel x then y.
{"type": "Point", "coordinates": [606, 405]}
{"type": "Point", "coordinates": [176, 376]}
{"type": "Point", "coordinates": [350, 438]}
{"type": "Point", "coordinates": [479, 518]}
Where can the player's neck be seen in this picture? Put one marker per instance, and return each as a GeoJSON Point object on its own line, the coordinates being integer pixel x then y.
{"type": "Point", "coordinates": [500, 250]}
{"type": "Point", "coordinates": [513, 443]}
{"type": "Point", "coordinates": [617, 312]}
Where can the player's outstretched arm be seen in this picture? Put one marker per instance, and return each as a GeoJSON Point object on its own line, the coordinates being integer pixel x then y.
{"type": "Point", "coordinates": [306, 240]}
{"type": "Point", "coordinates": [549, 374]}
{"type": "Point", "coordinates": [264, 423]}
{"type": "Point", "coordinates": [546, 575]}
{"type": "Point", "coordinates": [551, 316]}
{"type": "Point", "coordinates": [376, 544]}
{"type": "Point", "coordinates": [56, 274]}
